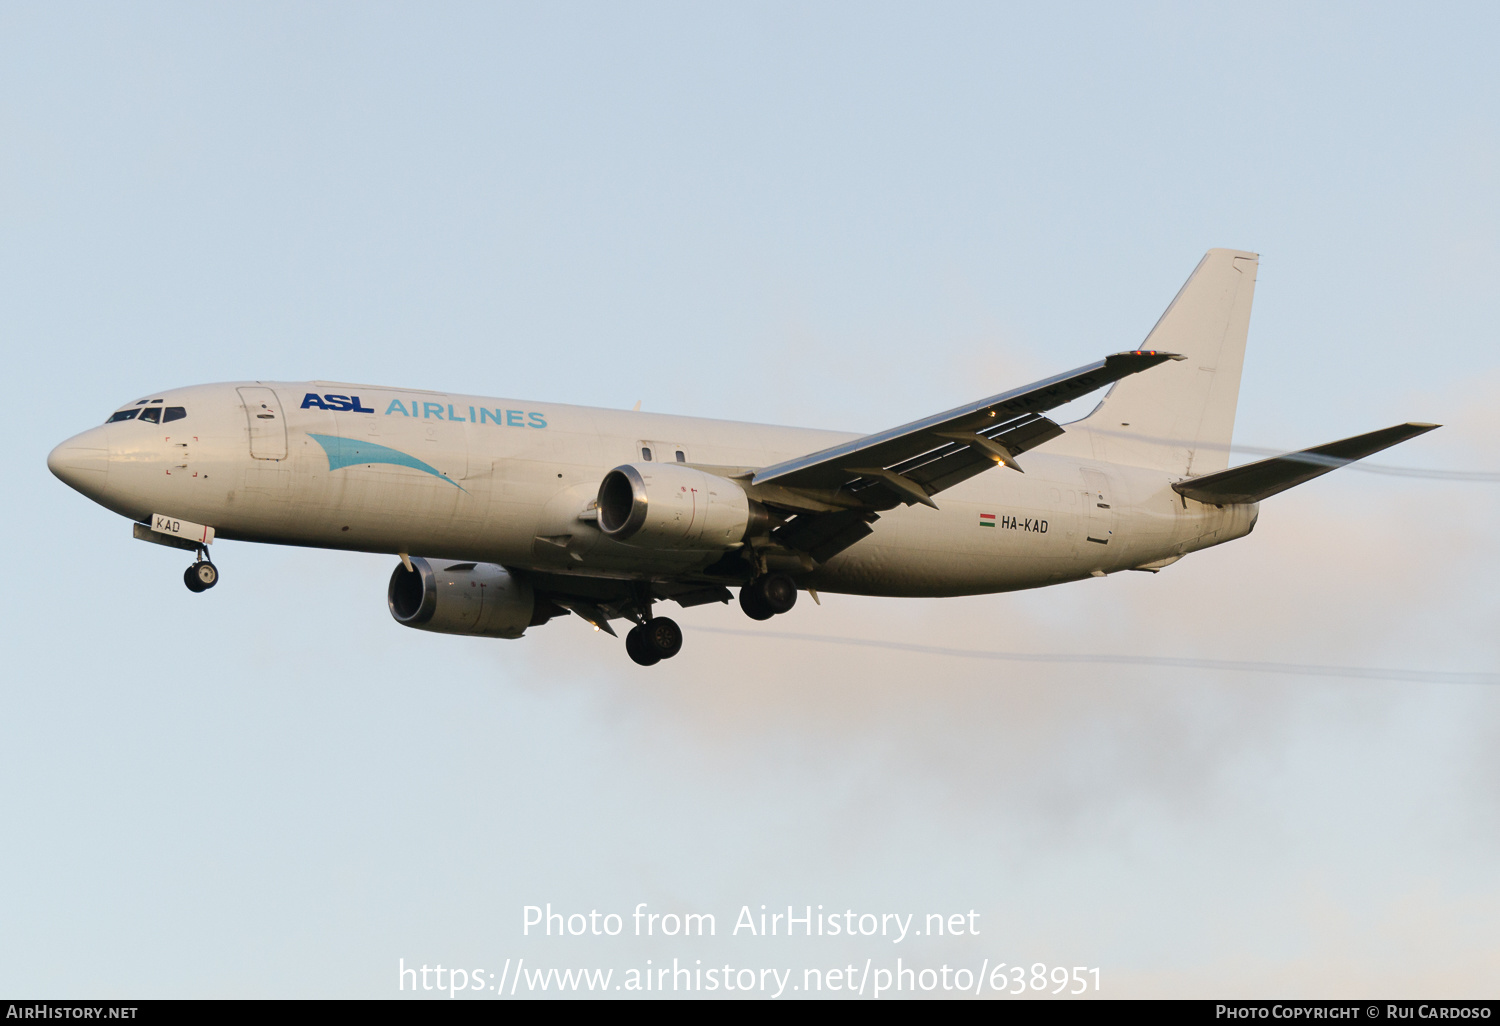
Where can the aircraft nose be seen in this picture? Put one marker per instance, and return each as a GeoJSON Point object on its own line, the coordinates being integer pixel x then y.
{"type": "Point", "coordinates": [81, 463]}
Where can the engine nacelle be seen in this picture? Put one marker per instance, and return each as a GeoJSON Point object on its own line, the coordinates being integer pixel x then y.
{"type": "Point", "coordinates": [479, 599]}
{"type": "Point", "coordinates": [669, 506]}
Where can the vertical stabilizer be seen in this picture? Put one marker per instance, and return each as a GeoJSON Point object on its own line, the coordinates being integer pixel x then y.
{"type": "Point", "coordinates": [1179, 417]}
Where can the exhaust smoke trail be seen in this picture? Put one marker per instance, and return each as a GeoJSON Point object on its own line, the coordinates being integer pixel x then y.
{"type": "Point", "coordinates": [1168, 662]}
{"type": "Point", "coordinates": [1471, 476]}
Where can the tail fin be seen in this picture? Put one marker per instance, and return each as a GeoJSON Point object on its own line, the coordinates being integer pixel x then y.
{"type": "Point", "coordinates": [1180, 416]}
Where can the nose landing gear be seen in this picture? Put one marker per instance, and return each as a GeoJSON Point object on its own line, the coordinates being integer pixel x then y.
{"type": "Point", "coordinates": [202, 575]}
{"type": "Point", "coordinates": [768, 595]}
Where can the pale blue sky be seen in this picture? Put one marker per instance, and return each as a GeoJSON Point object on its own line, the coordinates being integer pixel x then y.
{"type": "Point", "coordinates": [834, 215]}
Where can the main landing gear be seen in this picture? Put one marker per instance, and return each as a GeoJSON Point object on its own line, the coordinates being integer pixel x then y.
{"type": "Point", "coordinates": [202, 575]}
{"type": "Point", "coordinates": [654, 640]}
{"type": "Point", "coordinates": [768, 595]}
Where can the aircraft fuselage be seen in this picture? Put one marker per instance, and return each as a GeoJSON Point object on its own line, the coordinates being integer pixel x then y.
{"type": "Point", "coordinates": [510, 482]}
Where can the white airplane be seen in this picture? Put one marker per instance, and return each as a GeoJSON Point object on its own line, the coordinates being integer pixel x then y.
{"type": "Point", "coordinates": [523, 511]}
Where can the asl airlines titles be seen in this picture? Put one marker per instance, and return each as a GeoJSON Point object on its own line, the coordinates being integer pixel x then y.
{"type": "Point", "coordinates": [426, 410]}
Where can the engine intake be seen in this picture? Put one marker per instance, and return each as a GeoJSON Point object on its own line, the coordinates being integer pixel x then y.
{"type": "Point", "coordinates": [479, 599]}
{"type": "Point", "coordinates": [669, 506]}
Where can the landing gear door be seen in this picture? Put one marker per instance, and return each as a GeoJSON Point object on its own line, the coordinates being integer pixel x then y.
{"type": "Point", "coordinates": [1098, 508]}
{"type": "Point", "coordinates": [267, 423]}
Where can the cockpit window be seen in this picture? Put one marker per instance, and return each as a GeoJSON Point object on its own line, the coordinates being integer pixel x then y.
{"type": "Point", "coordinates": [123, 415]}
{"type": "Point", "coordinates": [173, 413]}
{"type": "Point", "coordinates": [151, 415]}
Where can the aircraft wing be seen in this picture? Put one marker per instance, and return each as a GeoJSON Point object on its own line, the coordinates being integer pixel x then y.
{"type": "Point", "coordinates": [915, 461]}
{"type": "Point", "coordinates": [1264, 478]}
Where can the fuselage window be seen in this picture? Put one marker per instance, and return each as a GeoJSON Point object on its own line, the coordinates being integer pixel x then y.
{"type": "Point", "coordinates": [646, 453]}
{"type": "Point", "coordinates": [680, 457]}
{"type": "Point", "coordinates": [173, 413]}
{"type": "Point", "coordinates": [123, 415]}
{"type": "Point", "coordinates": [151, 415]}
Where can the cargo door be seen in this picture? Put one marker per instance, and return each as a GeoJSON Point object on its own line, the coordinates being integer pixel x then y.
{"type": "Point", "coordinates": [1098, 509]}
{"type": "Point", "coordinates": [267, 424]}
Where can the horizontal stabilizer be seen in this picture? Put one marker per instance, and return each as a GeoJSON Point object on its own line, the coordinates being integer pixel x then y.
{"type": "Point", "coordinates": [1264, 478]}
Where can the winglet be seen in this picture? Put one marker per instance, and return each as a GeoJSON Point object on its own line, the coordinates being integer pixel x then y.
{"type": "Point", "coordinates": [1152, 352]}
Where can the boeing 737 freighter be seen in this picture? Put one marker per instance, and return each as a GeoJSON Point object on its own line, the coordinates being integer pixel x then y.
{"type": "Point", "coordinates": [508, 513]}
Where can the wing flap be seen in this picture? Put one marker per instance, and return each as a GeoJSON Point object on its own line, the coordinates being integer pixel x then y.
{"type": "Point", "coordinates": [825, 535]}
{"type": "Point", "coordinates": [1264, 478]}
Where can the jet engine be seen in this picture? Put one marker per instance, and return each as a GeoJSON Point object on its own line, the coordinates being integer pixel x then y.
{"type": "Point", "coordinates": [669, 506]}
{"type": "Point", "coordinates": [479, 599]}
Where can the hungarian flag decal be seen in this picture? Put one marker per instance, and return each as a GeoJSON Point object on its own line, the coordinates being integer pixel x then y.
{"type": "Point", "coordinates": [986, 520]}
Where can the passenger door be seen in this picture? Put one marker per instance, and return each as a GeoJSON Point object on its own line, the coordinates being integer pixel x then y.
{"type": "Point", "coordinates": [267, 424]}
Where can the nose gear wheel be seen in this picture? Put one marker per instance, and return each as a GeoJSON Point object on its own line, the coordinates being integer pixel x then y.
{"type": "Point", "coordinates": [201, 575]}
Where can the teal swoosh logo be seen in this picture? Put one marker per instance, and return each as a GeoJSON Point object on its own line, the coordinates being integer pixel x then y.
{"type": "Point", "coordinates": [346, 452]}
